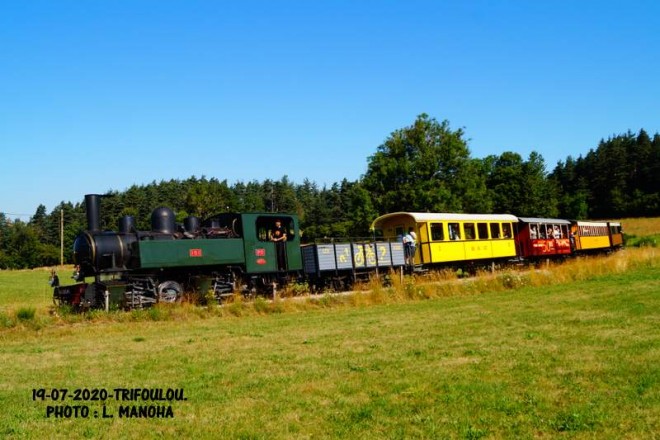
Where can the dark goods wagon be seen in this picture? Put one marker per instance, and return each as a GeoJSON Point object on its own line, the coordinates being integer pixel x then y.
{"type": "Point", "coordinates": [339, 265]}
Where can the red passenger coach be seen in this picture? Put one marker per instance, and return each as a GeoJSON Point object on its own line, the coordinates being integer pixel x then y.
{"type": "Point", "coordinates": [543, 237]}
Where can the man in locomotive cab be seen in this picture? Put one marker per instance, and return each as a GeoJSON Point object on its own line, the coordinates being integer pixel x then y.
{"type": "Point", "coordinates": [278, 235]}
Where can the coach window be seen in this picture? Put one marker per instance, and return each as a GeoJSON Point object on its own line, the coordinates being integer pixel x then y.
{"type": "Point", "coordinates": [454, 231]}
{"type": "Point", "coordinates": [437, 234]}
{"type": "Point", "coordinates": [469, 231]}
{"type": "Point", "coordinates": [482, 229]}
{"type": "Point", "coordinates": [506, 230]}
{"type": "Point", "coordinates": [533, 231]}
{"type": "Point", "coordinates": [556, 232]}
{"type": "Point", "coordinates": [495, 230]}
{"type": "Point", "coordinates": [549, 232]}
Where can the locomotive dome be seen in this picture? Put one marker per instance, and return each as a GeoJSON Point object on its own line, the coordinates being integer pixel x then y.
{"type": "Point", "coordinates": [163, 220]}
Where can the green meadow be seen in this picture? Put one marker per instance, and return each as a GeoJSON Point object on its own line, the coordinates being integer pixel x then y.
{"type": "Point", "coordinates": [567, 351]}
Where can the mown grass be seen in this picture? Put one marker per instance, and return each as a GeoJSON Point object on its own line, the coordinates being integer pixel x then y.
{"type": "Point", "coordinates": [566, 351]}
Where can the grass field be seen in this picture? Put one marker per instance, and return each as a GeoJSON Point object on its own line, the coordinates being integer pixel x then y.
{"type": "Point", "coordinates": [567, 351]}
{"type": "Point", "coordinates": [641, 226]}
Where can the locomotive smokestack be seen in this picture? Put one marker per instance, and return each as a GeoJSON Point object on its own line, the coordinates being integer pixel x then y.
{"type": "Point", "coordinates": [93, 207]}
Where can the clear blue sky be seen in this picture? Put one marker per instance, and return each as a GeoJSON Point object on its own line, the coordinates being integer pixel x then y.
{"type": "Point", "coordinates": [101, 95]}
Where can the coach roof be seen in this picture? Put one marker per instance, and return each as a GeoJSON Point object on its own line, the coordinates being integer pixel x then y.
{"type": "Point", "coordinates": [554, 221]}
{"type": "Point", "coordinates": [422, 217]}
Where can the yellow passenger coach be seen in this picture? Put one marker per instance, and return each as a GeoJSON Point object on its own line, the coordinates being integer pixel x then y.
{"type": "Point", "coordinates": [596, 236]}
{"type": "Point", "coordinates": [446, 238]}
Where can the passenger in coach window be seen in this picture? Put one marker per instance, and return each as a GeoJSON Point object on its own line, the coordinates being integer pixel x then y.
{"type": "Point", "coordinates": [453, 233]}
{"type": "Point", "coordinates": [556, 232]}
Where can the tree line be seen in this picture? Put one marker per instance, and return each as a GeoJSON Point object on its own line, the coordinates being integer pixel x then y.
{"type": "Point", "coordinates": [425, 167]}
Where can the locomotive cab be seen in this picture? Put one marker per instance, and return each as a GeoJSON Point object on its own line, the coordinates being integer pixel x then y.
{"type": "Point", "coordinates": [272, 243]}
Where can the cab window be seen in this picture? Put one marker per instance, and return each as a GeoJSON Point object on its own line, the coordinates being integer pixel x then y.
{"type": "Point", "coordinates": [266, 227]}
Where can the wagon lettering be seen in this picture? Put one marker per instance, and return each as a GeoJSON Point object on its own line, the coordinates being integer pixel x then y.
{"type": "Point", "coordinates": [359, 257]}
{"type": "Point", "coordinates": [371, 255]}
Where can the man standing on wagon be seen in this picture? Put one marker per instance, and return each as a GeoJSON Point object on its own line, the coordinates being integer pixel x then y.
{"type": "Point", "coordinates": [410, 246]}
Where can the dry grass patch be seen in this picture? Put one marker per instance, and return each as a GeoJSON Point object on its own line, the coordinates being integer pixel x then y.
{"type": "Point", "coordinates": [641, 226]}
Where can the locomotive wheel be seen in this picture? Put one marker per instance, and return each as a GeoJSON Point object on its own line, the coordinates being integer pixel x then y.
{"type": "Point", "coordinates": [169, 291]}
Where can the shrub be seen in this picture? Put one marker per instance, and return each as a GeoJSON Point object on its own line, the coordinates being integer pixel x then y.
{"type": "Point", "coordinates": [6, 321]}
{"type": "Point", "coordinates": [260, 305]}
{"type": "Point", "coordinates": [26, 313]}
{"type": "Point", "coordinates": [646, 242]}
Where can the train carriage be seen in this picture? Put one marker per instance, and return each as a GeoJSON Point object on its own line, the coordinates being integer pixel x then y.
{"type": "Point", "coordinates": [590, 237]}
{"type": "Point", "coordinates": [446, 238]}
{"type": "Point", "coordinates": [543, 237]}
{"type": "Point", "coordinates": [340, 264]}
{"type": "Point", "coordinates": [616, 234]}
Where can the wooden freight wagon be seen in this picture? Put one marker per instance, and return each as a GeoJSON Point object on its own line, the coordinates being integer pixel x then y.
{"type": "Point", "coordinates": [342, 263]}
